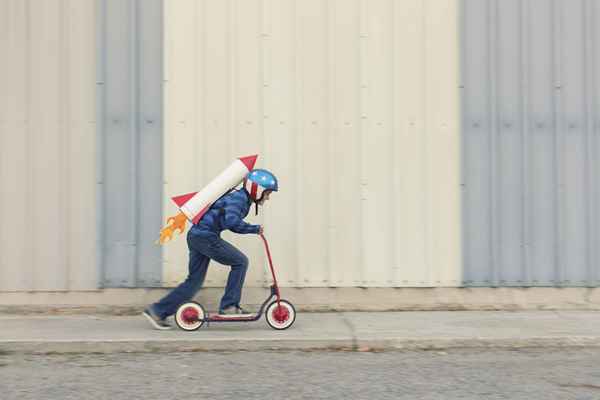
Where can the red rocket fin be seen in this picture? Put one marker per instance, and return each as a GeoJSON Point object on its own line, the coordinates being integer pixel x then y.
{"type": "Point", "coordinates": [249, 161]}
{"type": "Point", "coordinates": [184, 198]}
{"type": "Point", "coordinates": [200, 214]}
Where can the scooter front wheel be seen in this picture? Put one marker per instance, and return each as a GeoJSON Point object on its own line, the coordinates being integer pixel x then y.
{"type": "Point", "coordinates": [190, 316]}
{"type": "Point", "coordinates": [280, 316]}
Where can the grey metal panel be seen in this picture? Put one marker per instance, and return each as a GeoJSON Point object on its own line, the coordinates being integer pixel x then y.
{"type": "Point", "coordinates": [530, 164]}
{"type": "Point", "coordinates": [150, 150]}
{"type": "Point", "coordinates": [131, 140]}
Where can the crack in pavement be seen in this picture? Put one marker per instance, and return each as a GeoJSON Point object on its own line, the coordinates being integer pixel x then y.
{"type": "Point", "coordinates": [352, 329]}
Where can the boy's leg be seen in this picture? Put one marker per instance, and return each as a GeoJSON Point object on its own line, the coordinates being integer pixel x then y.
{"type": "Point", "coordinates": [227, 254]}
{"type": "Point", "coordinates": [198, 265]}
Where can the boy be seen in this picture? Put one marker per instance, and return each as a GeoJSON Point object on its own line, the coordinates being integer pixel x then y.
{"type": "Point", "coordinates": [205, 243]}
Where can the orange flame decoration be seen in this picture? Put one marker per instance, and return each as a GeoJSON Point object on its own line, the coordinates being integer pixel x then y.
{"type": "Point", "coordinates": [173, 223]}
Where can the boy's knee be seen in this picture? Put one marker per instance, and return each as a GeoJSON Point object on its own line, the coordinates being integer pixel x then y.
{"type": "Point", "coordinates": [242, 262]}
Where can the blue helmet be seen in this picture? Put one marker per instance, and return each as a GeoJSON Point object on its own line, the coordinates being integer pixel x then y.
{"type": "Point", "coordinates": [259, 181]}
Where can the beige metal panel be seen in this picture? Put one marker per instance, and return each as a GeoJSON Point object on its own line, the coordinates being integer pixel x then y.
{"type": "Point", "coordinates": [353, 104]}
{"type": "Point", "coordinates": [47, 158]}
{"type": "Point", "coordinates": [183, 117]}
{"type": "Point", "coordinates": [411, 258]}
{"type": "Point", "coordinates": [47, 150]}
{"type": "Point", "coordinates": [16, 266]}
{"type": "Point", "coordinates": [281, 127]}
{"type": "Point", "coordinates": [377, 141]}
{"type": "Point", "coordinates": [443, 141]}
{"type": "Point", "coordinates": [346, 243]}
{"type": "Point", "coordinates": [80, 119]}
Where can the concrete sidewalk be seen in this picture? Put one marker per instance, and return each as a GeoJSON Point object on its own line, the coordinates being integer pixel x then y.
{"type": "Point", "coordinates": [361, 331]}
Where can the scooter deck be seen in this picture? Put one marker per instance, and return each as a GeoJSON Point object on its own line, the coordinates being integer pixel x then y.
{"type": "Point", "coordinates": [226, 318]}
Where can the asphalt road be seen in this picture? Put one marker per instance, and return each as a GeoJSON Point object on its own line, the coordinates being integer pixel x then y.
{"type": "Point", "coordinates": [490, 374]}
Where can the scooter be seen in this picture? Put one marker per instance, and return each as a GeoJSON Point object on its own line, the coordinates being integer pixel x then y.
{"type": "Point", "coordinates": [280, 314]}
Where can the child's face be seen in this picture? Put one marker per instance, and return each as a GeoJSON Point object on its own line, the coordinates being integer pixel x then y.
{"type": "Point", "coordinates": [265, 198]}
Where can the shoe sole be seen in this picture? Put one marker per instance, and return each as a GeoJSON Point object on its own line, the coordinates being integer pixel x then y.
{"type": "Point", "coordinates": [154, 324]}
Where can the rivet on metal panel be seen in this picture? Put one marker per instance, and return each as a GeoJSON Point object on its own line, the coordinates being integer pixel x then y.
{"type": "Point", "coordinates": [281, 122]}
{"type": "Point", "coordinates": [540, 125]}
{"type": "Point", "coordinates": [265, 85]}
{"type": "Point", "coordinates": [248, 122]}
{"type": "Point", "coordinates": [265, 116]}
{"type": "Point", "coordinates": [476, 125]}
{"type": "Point", "coordinates": [99, 83]}
{"type": "Point", "coordinates": [572, 125]}
{"type": "Point", "coordinates": [363, 86]}
{"type": "Point", "coordinates": [507, 124]}
{"type": "Point", "coordinates": [558, 87]}
{"type": "Point", "coordinates": [364, 117]}
{"type": "Point", "coordinates": [115, 121]}
{"type": "Point", "coordinates": [314, 122]}
{"type": "Point", "coordinates": [149, 121]}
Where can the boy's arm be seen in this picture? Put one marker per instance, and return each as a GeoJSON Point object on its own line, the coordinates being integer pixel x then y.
{"type": "Point", "coordinates": [234, 222]}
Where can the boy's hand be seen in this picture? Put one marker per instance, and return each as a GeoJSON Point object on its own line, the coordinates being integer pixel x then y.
{"type": "Point", "coordinates": [261, 230]}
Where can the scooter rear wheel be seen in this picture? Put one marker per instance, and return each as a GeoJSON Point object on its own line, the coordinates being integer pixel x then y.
{"type": "Point", "coordinates": [190, 316]}
{"type": "Point", "coordinates": [280, 316]}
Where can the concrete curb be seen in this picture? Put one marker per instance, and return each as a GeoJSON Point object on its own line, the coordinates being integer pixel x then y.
{"type": "Point", "coordinates": [130, 301]}
{"type": "Point", "coordinates": [341, 344]}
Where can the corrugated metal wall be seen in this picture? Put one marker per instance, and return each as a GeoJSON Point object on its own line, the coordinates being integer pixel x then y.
{"type": "Point", "coordinates": [354, 104]}
{"type": "Point", "coordinates": [531, 122]}
{"type": "Point", "coordinates": [47, 145]}
{"type": "Point", "coordinates": [130, 59]}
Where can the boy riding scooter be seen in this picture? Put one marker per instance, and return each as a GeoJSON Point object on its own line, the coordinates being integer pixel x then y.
{"type": "Point", "coordinates": [205, 243]}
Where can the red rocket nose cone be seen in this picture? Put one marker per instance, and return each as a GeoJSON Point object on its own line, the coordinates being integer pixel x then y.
{"type": "Point", "coordinates": [249, 161]}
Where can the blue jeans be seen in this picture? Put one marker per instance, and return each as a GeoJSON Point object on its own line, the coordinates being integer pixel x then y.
{"type": "Point", "coordinates": [204, 247]}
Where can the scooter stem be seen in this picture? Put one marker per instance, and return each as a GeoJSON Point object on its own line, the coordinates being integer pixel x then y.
{"type": "Point", "coordinates": [271, 265]}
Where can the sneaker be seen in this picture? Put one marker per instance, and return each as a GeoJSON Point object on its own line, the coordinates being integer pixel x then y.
{"type": "Point", "coordinates": [155, 320]}
{"type": "Point", "coordinates": [234, 311]}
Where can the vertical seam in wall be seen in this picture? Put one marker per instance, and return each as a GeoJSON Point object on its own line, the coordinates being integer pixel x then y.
{"type": "Point", "coordinates": [196, 125]}
{"type": "Point", "coordinates": [464, 137]}
{"type": "Point", "coordinates": [589, 87]}
{"type": "Point", "coordinates": [330, 131]}
{"type": "Point", "coordinates": [362, 179]}
{"type": "Point", "coordinates": [262, 90]}
{"type": "Point", "coordinates": [595, 160]}
{"type": "Point", "coordinates": [100, 140]}
{"type": "Point", "coordinates": [136, 139]}
{"type": "Point", "coordinates": [64, 24]}
{"type": "Point", "coordinates": [494, 148]}
{"type": "Point", "coordinates": [294, 129]}
{"type": "Point", "coordinates": [165, 127]}
{"type": "Point", "coordinates": [161, 122]}
{"type": "Point", "coordinates": [558, 143]}
{"type": "Point", "coordinates": [232, 39]}
{"type": "Point", "coordinates": [203, 105]}
{"type": "Point", "coordinates": [525, 189]}
{"type": "Point", "coordinates": [426, 193]}
{"type": "Point", "coordinates": [299, 139]}
{"type": "Point", "coordinates": [4, 88]}
{"type": "Point", "coordinates": [29, 143]}
{"type": "Point", "coordinates": [395, 277]}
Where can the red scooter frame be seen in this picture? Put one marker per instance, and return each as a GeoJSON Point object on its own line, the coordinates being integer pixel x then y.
{"type": "Point", "coordinates": [280, 314]}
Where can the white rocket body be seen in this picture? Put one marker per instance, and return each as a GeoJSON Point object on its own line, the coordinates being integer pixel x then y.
{"type": "Point", "coordinates": [194, 205]}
